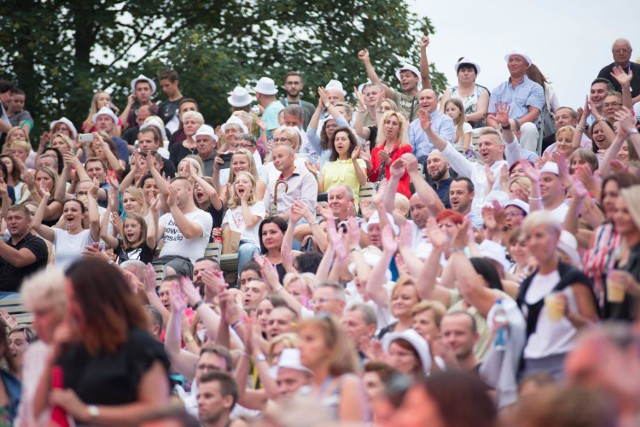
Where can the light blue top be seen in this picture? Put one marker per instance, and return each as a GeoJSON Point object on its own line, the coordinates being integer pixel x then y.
{"type": "Point", "coordinates": [270, 116]}
{"type": "Point", "coordinates": [313, 150]}
{"type": "Point", "coordinates": [441, 124]}
{"type": "Point", "coordinates": [526, 93]}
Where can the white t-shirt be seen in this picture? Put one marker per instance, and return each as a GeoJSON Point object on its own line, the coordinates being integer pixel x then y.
{"type": "Point", "coordinates": [69, 247]}
{"type": "Point", "coordinates": [560, 212]}
{"type": "Point", "coordinates": [235, 219]}
{"type": "Point", "coordinates": [176, 244]}
{"type": "Point", "coordinates": [550, 337]}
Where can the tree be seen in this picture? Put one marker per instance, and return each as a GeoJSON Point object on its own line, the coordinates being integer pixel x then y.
{"type": "Point", "coordinates": [61, 51]}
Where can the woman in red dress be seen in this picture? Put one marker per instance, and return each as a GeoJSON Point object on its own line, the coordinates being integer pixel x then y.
{"type": "Point", "coordinates": [392, 142]}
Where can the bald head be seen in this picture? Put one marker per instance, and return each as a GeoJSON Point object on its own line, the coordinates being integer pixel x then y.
{"type": "Point", "coordinates": [437, 166]}
{"type": "Point", "coordinates": [428, 100]}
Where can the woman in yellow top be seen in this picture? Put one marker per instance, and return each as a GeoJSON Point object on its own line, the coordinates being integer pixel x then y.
{"type": "Point", "coordinates": [345, 165]}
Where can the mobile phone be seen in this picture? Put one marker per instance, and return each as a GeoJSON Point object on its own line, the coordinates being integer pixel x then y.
{"type": "Point", "coordinates": [226, 157]}
{"type": "Point", "coordinates": [85, 138]}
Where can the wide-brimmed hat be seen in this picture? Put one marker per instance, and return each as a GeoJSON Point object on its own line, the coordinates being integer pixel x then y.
{"type": "Point", "coordinates": [233, 120]}
{"type": "Point", "coordinates": [518, 53]}
{"type": "Point", "coordinates": [105, 111]}
{"type": "Point", "coordinates": [66, 122]}
{"type": "Point", "coordinates": [206, 130]}
{"type": "Point", "coordinates": [409, 67]}
{"type": "Point", "coordinates": [336, 85]}
{"type": "Point", "coordinates": [143, 78]}
{"type": "Point", "coordinates": [239, 97]}
{"type": "Point", "coordinates": [466, 60]}
{"type": "Point", "coordinates": [417, 342]}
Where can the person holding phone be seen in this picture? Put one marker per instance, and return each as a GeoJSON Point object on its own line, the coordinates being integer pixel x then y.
{"type": "Point", "coordinates": [142, 89]}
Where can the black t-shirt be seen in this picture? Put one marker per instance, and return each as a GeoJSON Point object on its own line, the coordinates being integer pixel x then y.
{"type": "Point", "coordinates": [177, 152]}
{"type": "Point", "coordinates": [605, 73]}
{"type": "Point", "coordinates": [168, 109]}
{"type": "Point", "coordinates": [216, 215]}
{"type": "Point", "coordinates": [112, 378]}
{"type": "Point", "coordinates": [142, 253]}
{"type": "Point", "coordinates": [11, 277]}
{"type": "Point", "coordinates": [624, 311]}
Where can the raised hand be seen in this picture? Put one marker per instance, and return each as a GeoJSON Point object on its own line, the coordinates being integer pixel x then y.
{"type": "Point", "coordinates": [3, 187]}
{"type": "Point", "coordinates": [626, 120]}
{"type": "Point", "coordinates": [296, 212]}
{"type": "Point", "coordinates": [353, 232]}
{"type": "Point", "coordinates": [406, 236]}
{"type": "Point", "coordinates": [577, 189]}
{"type": "Point", "coordinates": [213, 283]}
{"type": "Point", "coordinates": [361, 104]}
{"type": "Point", "coordinates": [424, 42]}
{"type": "Point", "coordinates": [437, 237]}
{"type": "Point", "coordinates": [363, 56]}
{"type": "Point", "coordinates": [425, 120]}
{"type": "Point", "coordinates": [410, 162]}
{"type": "Point", "coordinates": [389, 243]}
{"type": "Point", "coordinates": [324, 96]}
{"type": "Point", "coordinates": [530, 172]}
{"type": "Point", "coordinates": [397, 168]}
{"type": "Point", "coordinates": [43, 191]}
{"type": "Point", "coordinates": [149, 278]}
{"type": "Point", "coordinates": [623, 78]}
{"type": "Point", "coordinates": [384, 157]}
{"type": "Point", "coordinates": [504, 177]}
{"type": "Point", "coordinates": [311, 168]}
{"type": "Point", "coordinates": [355, 154]}
{"type": "Point", "coordinates": [502, 112]}
{"type": "Point", "coordinates": [491, 177]}
{"type": "Point", "coordinates": [178, 299]}
{"type": "Point", "coordinates": [365, 153]}
{"type": "Point", "coordinates": [172, 196]}
{"type": "Point", "coordinates": [116, 222]}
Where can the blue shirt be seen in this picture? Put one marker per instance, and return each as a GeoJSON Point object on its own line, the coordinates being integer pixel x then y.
{"type": "Point", "coordinates": [270, 116]}
{"type": "Point", "coordinates": [527, 93]}
{"type": "Point", "coordinates": [441, 124]}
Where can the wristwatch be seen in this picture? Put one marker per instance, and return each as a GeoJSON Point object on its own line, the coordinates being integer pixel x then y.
{"type": "Point", "coordinates": [94, 411]}
{"type": "Point", "coordinates": [507, 126]}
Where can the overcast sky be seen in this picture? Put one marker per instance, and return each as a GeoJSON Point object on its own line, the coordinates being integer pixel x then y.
{"type": "Point", "coordinates": [569, 40]}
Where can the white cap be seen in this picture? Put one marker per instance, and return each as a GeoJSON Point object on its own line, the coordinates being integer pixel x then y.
{"type": "Point", "coordinates": [466, 60]}
{"type": "Point", "coordinates": [154, 121]}
{"type": "Point", "coordinates": [409, 67]}
{"type": "Point", "coordinates": [265, 86]}
{"type": "Point", "coordinates": [496, 252]}
{"type": "Point", "coordinates": [550, 167]}
{"type": "Point", "coordinates": [290, 358]}
{"type": "Point", "coordinates": [375, 219]}
{"type": "Point", "coordinates": [417, 342]}
{"type": "Point", "coordinates": [143, 78]}
{"type": "Point", "coordinates": [335, 85]}
{"type": "Point", "coordinates": [206, 130]}
{"type": "Point", "coordinates": [239, 97]}
{"type": "Point", "coordinates": [105, 111]}
{"type": "Point", "coordinates": [518, 53]}
{"type": "Point", "coordinates": [66, 122]}
{"type": "Point", "coordinates": [496, 195]}
{"type": "Point", "coordinates": [519, 204]}
{"type": "Point", "coordinates": [233, 120]}
{"type": "Point", "coordinates": [569, 245]}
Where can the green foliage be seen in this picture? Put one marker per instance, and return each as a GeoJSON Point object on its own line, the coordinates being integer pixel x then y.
{"type": "Point", "coordinates": [61, 51]}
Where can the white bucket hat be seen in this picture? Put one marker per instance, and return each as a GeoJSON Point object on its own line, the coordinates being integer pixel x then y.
{"type": "Point", "coordinates": [550, 167]}
{"type": "Point", "coordinates": [409, 67]}
{"type": "Point", "coordinates": [66, 122]}
{"type": "Point", "coordinates": [143, 78]}
{"type": "Point", "coordinates": [266, 86]}
{"type": "Point", "coordinates": [239, 97]}
{"type": "Point", "coordinates": [518, 53]}
{"type": "Point", "coordinates": [206, 130]}
{"type": "Point", "coordinates": [417, 342]}
{"type": "Point", "coordinates": [336, 85]}
{"type": "Point", "coordinates": [105, 111]}
{"type": "Point", "coordinates": [233, 120]}
{"type": "Point", "coordinates": [466, 60]}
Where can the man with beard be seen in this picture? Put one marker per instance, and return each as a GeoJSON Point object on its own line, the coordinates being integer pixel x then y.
{"type": "Point", "coordinates": [293, 86]}
{"type": "Point", "coordinates": [439, 176]}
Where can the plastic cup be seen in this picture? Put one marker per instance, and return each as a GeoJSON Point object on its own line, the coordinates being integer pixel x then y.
{"type": "Point", "coordinates": [615, 291]}
{"type": "Point", "coordinates": [555, 307]}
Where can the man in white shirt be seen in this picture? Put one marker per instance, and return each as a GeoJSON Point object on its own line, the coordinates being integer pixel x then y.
{"type": "Point", "coordinates": [185, 230]}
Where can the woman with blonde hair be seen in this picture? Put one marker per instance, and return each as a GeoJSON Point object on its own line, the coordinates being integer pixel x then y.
{"type": "Point", "coordinates": [520, 188]}
{"type": "Point", "coordinates": [43, 295]}
{"type": "Point", "coordinates": [392, 142]}
{"type": "Point", "coordinates": [625, 276]}
{"type": "Point", "coordinates": [327, 351]}
{"type": "Point", "coordinates": [242, 161]}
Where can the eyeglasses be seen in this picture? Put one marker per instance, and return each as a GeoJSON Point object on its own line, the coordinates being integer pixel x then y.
{"type": "Point", "coordinates": [316, 301]}
{"type": "Point", "coordinates": [613, 104]}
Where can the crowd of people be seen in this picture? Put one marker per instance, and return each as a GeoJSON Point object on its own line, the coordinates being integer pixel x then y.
{"type": "Point", "coordinates": [404, 257]}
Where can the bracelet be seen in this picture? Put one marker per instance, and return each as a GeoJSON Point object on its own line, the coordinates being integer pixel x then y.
{"type": "Point", "coordinates": [197, 305]}
{"type": "Point", "coordinates": [454, 250]}
{"type": "Point", "coordinates": [535, 198]}
{"type": "Point", "coordinates": [506, 127]}
{"type": "Point", "coordinates": [581, 128]}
